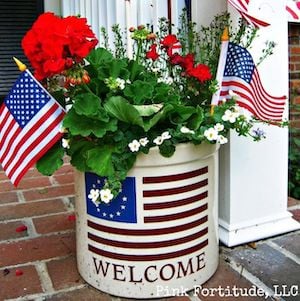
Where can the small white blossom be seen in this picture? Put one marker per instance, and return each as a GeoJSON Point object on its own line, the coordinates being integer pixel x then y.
{"type": "Point", "coordinates": [144, 141]}
{"type": "Point", "coordinates": [94, 195]}
{"type": "Point", "coordinates": [121, 83]}
{"type": "Point", "coordinates": [65, 143]}
{"type": "Point", "coordinates": [134, 146]}
{"type": "Point", "coordinates": [166, 135]}
{"type": "Point", "coordinates": [158, 140]}
{"type": "Point", "coordinates": [186, 130]}
{"type": "Point", "coordinates": [221, 139]}
{"type": "Point", "coordinates": [230, 116]}
{"type": "Point", "coordinates": [211, 134]}
{"type": "Point", "coordinates": [106, 196]}
{"type": "Point", "coordinates": [232, 94]}
{"type": "Point", "coordinates": [219, 127]}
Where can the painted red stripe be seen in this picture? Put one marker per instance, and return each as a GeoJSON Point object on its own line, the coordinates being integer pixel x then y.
{"type": "Point", "coordinates": [148, 232]}
{"type": "Point", "coordinates": [147, 245]}
{"type": "Point", "coordinates": [171, 191]}
{"type": "Point", "coordinates": [293, 14]}
{"type": "Point", "coordinates": [153, 257]}
{"type": "Point", "coordinates": [178, 177]}
{"type": "Point", "coordinates": [175, 216]}
{"type": "Point", "coordinates": [172, 204]}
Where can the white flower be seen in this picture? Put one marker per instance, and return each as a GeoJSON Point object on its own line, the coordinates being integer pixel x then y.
{"type": "Point", "coordinates": [121, 83]}
{"type": "Point", "coordinates": [230, 116]}
{"type": "Point", "coordinates": [221, 139]}
{"type": "Point", "coordinates": [186, 130]}
{"type": "Point", "coordinates": [106, 196]}
{"type": "Point", "coordinates": [219, 127]}
{"type": "Point", "coordinates": [134, 146]}
{"type": "Point", "coordinates": [94, 195]}
{"type": "Point", "coordinates": [232, 94]}
{"type": "Point", "coordinates": [65, 143]}
{"type": "Point", "coordinates": [144, 141]}
{"type": "Point", "coordinates": [211, 134]}
{"type": "Point", "coordinates": [166, 135]}
{"type": "Point", "coordinates": [158, 140]}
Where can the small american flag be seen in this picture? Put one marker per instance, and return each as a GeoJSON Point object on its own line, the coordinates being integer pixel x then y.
{"type": "Point", "coordinates": [29, 126]}
{"type": "Point", "coordinates": [242, 7]}
{"type": "Point", "coordinates": [242, 77]}
{"type": "Point", "coordinates": [140, 221]}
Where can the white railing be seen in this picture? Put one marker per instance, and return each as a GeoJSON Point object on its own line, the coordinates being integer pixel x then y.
{"type": "Point", "coordinates": [105, 13]}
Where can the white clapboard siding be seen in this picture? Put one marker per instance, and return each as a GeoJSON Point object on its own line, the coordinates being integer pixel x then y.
{"type": "Point", "coordinates": [105, 13]}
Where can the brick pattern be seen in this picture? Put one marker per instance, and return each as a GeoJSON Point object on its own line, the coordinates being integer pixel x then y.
{"type": "Point", "coordinates": [45, 251]}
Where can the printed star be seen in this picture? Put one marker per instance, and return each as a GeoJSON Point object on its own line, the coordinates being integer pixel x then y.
{"type": "Point", "coordinates": [104, 214]}
{"type": "Point", "coordinates": [123, 207]}
{"type": "Point", "coordinates": [124, 199]}
{"type": "Point", "coordinates": [111, 215]}
{"type": "Point", "coordinates": [118, 213]}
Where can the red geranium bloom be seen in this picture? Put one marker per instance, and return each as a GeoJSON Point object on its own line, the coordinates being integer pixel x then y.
{"type": "Point", "coordinates": [201, 72]}
{"type": "Point", "coordinates": [171, 43]}
{"type": "Point", "coordinates": [53, 43]}
{"type": "Point", "coordinates": [152, 53]}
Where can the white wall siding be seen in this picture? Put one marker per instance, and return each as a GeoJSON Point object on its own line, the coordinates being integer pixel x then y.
{"type": "Point", "coordinates": [105, 13]}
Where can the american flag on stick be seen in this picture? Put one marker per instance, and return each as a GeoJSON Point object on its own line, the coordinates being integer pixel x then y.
{"type": "Point", "coordinates": [140, 222]}
{"type": "Point", "coordinates": [242, 7]}
{"type": "Point", "coordinates": [237, 72]}
{"type": "Point", "coordinates": [293, 10]}
{"type": "Point", "coordinates": [30, 120]}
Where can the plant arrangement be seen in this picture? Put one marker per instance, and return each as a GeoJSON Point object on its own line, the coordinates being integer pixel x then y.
{"type": "Point", "coordinates": [118, 107]}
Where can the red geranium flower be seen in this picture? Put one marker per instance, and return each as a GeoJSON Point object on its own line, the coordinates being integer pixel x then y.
{"type": "Point", "coordinates": [171, 43]}
{"type": "Point", "coordinates": [152, 53]}
{"type": "Point", "coordinates": [201, 72]}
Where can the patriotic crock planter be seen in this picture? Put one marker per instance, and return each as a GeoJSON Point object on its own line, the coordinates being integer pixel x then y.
{"type": "Point", "coordinates": [159, 237]}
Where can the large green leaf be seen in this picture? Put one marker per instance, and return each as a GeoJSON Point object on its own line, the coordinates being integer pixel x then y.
{"type": "Point", "coordinates": [99, 56]}
{"type": "Point", "coordinates": [197, 119]}
{"type": "Point", "coordinates": [86, 104]}
{"type": "Point", "coordinates": [99, 159]}
{"type": "Point", "coordinates": [148, 124]}
{"type": "Point", "coordinates": [51, 161]}
{"type": "Point", "coordinates": [148, 110]}
{"type": "Point", "coordinates": [139, 91]}
{"type": "Point", "coordinates": [84, 126]}
{"type": "Point", "coordinates": [118, 107]}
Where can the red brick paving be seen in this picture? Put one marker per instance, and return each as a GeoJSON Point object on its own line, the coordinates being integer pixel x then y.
{"type": "Point", "coordinates": [45, 252]}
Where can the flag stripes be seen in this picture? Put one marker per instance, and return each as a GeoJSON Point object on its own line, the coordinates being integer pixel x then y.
{"type": "Point", "coordinates": [161, 201]}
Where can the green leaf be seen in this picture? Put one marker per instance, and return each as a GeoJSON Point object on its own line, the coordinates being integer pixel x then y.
{"type": "Point", "coordinates": [296, 141]}
{"type": "Point", "coordinates": [197, 119]}
{"type": "Point", "coordinates": [86, 104]}
{"type": "Point", "coordinates": [99, 159]}
{"type": "Point", "coordinates": [78, 152]}
{"type": "Point", "coordinates": [51, 161]}
{"type": "Point", "coordinates": [148, 110]}
{"type": "Point", "coordinates": [99, 56]}
{"type": "Point", "coordinates": [118, 107]}
{"type": "Point", "coordinates": [148, 124]}
{"type": "Point", "coordinates": [167, 149]}
{"type": "Point", "coordinates": [138, 91]}
{"type": "Point", "coordinates": [84, 126]}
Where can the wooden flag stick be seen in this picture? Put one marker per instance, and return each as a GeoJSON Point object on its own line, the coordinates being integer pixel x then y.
{"type": "Point", "coordinates": [221, 67]}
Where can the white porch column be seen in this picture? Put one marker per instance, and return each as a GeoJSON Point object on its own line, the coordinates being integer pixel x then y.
{"type": "Point", "coordinates": [53, 6]}
{"type": "Point", "coordinates": [254, 176]}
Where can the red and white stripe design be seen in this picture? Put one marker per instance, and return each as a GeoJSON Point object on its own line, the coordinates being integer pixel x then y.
{"type": "Point", "coordinates": [242, 7]}
{"type": "Point", "coordinates": [160, 201]}
{"type": "Point", "coordinates": [254, 97]}
{"type": "Point", "coordinates": [21, 147]}
{"type": "Point", "coordinates": [293, 10]}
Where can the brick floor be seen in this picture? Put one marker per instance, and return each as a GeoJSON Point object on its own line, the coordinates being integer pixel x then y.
{"type": "Point", "coordinates": [37, 250]}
